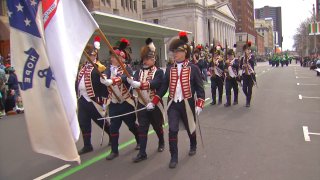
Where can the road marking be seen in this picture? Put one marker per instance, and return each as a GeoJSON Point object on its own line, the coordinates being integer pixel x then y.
{"type": "Point", "coordinates": [307, 84]}
{"type": "Point", "coordinates": [53, 172]}
{"type": "Point", "coordinates": [302, 77]}
{"type": "Point", "coordinates": [307, 97]}
{"type": "Point", "coordinates": [306, 133]}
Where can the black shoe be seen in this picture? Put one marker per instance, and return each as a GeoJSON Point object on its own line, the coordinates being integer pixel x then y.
{"type": "Point", "coordinates": [247, 105]}
{"type": "Point", "coordinates": [137, 147]}
{"type": "Point", "coordinates": [139, 158]}
{"type": "Point", "coordinates": [213, 103]}
{"type": "Point", "coordinates": [227, 104]}
{"type": "Point", "coordinates": [235, 103]}
{"type": "Point", "coordinates": [112, 156]}
{"type": "Point", "coordinates": [173, 164]}
{"type": "Point", "coordinates": [220, 102]}
{"type": "Point", "coordinates": [192, 151]}
{"type": "Point", "coordinates": [161, 147]}
{"type": "Point", "coordinates": [85, 149]}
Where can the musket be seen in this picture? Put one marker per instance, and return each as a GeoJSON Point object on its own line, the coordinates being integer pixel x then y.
{"type": "Point", "coordinates": [213, 60]}
{"type": "Point", "coordinates": [225, 59]}
{"type": "Point", "coordinates": [246, 59]}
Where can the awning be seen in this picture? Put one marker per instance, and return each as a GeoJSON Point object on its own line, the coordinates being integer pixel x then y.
{"type": "Point", "coordinates": [114, 25]}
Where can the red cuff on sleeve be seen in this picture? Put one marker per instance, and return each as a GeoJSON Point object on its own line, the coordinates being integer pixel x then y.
{"type": "Point", "coordinates": [200, 102]}
{"type": "Point", "coordinates": [145, 86]}
{"type": "Point", "coordinates": [155, 99]}
{"type": "Point", "coordinates": [116, 80]}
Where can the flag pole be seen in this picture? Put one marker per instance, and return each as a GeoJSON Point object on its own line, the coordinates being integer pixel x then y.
{"type": "Point", "coordinates": [119, 61]}
{"type": "Point", "coordinates": [100, 74]}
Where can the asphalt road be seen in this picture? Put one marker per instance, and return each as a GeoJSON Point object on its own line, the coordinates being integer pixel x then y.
{"type": "Point", "coordinates": [263, 142]}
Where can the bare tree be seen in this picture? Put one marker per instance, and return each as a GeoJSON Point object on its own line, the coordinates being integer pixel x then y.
{"type": "Point", "coordinates": [303, 42]}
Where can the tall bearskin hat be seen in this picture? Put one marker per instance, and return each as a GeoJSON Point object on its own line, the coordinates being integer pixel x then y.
{"type": "Point", "coordinates": [149, 50]}
{"type": "Point", "coordinates": [181, 44]}
{"type": "Point", "coordinates": [247, 45]}
{"type": "Point", "coordinates": [120, 50]}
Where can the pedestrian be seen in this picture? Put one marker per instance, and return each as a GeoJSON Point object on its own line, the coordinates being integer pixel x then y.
{"type": "Point", "coordinates": [148, 79]}
{"type": "Point", "coordinates": [231, 69]}
{"type": "Point", "coordinates": [217, 74]}
{"type": "Point", "coordinates": [248, 74]}
{"type": "Point", "coordinates": [120, 99]}
{"type": "Point", "coordinates": [91, 95]}
{"type": "Point", "coordinates": [13, 81]}
{"type": "Point", "coordinates": [183, 80]}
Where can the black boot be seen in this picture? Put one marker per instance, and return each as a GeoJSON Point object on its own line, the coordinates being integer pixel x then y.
{"type": "Point", "coordinates": [114, 146]}
{"type": "Point", "coordinates": [173, 146]}
{"type": "Point", "coordinates": [85, 149]}
{"type": "Point", "coordinates": [87, 144]}
{"type": "Point", "coordinates": [136, 136]}
{"type": "Point", "coordinates": [161, 140]}
{"type": "Point", "coordinates": [193, 144]}
{"type": "Point", "coordinates": [227, 104]}
{"type": "Point", "coordinates": [248, 102]}
{"type": "Point", "coordinates": [142, 155]}
{"type": "Point", "coordinates": [112, 156]}
{"type": "Point", "coordinates": [213, 100]}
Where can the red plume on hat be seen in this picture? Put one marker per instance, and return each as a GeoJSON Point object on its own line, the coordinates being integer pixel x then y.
{"type": "Point", "coordinates": [183, 36]}
{"type": "Point", "coordinates": [96, 42]}
{"type": "Point", "coordinates": [124, 43]}
{"type": "Point", "coordinates": [249, 43]}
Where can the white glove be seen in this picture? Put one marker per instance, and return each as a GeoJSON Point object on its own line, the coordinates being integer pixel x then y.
{"type": "Point", "coordinates": [106, 81]}
{"type": "Point", "coordinates": [150, 106]}
{"type": "Point", "coordinates": [134, 84]}
{"type": "Point", "coordinates": [198, 110]}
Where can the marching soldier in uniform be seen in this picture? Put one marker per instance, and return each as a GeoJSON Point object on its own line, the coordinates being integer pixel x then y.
{"type": "Point", "coordinates": [183, 80]}
{"type": "Point", "coordinates": [248, 74]}
{"type": "Point", "coordinates": [120, 99]}
{"type": "Point", "coordinates": [148, 80]}
{"type": "Point", "coordinates": [216, 67]}
{"type": "Point", "coordinates": [232, 68]}
{"type": "Point", "coordinates": [92, 94]}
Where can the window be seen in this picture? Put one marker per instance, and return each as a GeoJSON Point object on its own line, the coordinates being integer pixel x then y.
{"type": "Point", "coordinates": [131, 5]}
{"type": "Point", "coordinates": [143, 4]}
{"type": "Point", "coordinates": [156, 21]}
{"type": "Point", "coordinates": [127, 4]}
{"type": "Point", "coordinates": [155, 3]}
{"type": "Point", "coordinates": [122, 3]}
{"type": "Point", "coordinates": [240, 38]}
{"type": "Point", "coordinates": [105, 2]}
{"type": "Point", "coordinates": [135, 5]}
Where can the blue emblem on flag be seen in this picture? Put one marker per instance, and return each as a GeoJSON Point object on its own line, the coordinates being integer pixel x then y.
{"type": "Point", "coordinates": [22, 15]}
{"type": "Point", "coordinates": [46, 73]}
{"type": "Point", "coordinates": [28, 69]}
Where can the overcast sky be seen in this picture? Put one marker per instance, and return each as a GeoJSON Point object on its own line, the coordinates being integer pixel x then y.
{"type": "Point", "coordinates": [293, 13]}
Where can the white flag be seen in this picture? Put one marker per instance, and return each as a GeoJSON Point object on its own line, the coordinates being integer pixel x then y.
{"type": "Point", "coordinates": [50, 108]}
